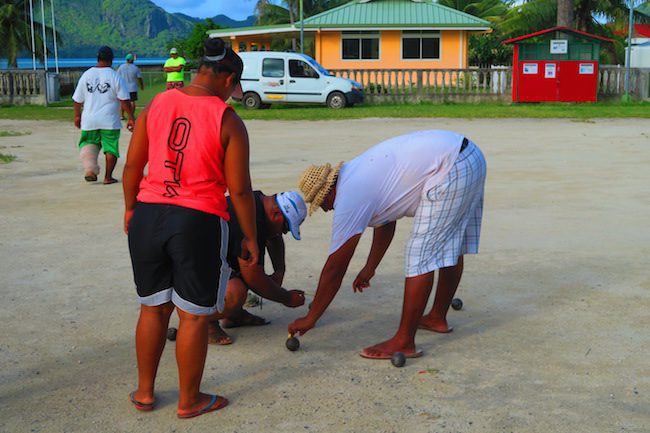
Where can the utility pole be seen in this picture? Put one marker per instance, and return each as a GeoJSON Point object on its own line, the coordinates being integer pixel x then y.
{"type": "Point", "coordinates": [56, 53]}
{"type": "Point", "coordinates": [302, 31]}
{"type": "Point", "coordinates": [628, 53]}
{"type": "Point", "coordinates": [31, 19]}
{"type": "Point", "coordinates": [44, 36]}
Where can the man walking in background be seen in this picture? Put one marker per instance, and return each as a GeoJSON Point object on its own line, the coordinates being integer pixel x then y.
{"type": "Point", "coordinates": [130, 73]}
{"type": "Point", "coordinates": [101, 91]}
{"type": "Point", "coordinates": [175, 68]}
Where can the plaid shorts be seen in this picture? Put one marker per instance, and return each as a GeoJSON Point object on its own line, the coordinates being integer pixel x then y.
{"type": "Point", "coordinates": [447, 222]}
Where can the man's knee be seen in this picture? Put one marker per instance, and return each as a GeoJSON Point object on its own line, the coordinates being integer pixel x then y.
{"type": "Point", "coordinates": [236, 294]}
{"type": "Point", "coordinates": [164, 310]}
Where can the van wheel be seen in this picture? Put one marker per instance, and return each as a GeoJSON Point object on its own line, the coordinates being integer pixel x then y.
{"type": "Point", "coordinates": [336, 100]}
{"type": "Point", "coordinates": [265, 106]}
{"type": "Point", "coordinates": [251, 101]}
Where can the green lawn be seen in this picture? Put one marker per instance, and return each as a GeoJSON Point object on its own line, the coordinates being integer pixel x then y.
{"type": "Point", "coordinates": [63, 110]}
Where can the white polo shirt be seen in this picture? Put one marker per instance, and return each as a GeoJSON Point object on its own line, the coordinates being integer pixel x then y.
{"type": "Point", "coordinates": [384, 183]}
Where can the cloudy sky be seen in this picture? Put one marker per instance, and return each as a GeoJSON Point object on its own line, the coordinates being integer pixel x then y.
{"type": "Point", "coordinates": [235, 9]}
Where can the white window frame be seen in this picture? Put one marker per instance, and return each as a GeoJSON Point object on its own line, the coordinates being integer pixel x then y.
{"type": "Point", "coordinates": [359, 35]}
{"type": "Point", "coordinates": [421, 34]}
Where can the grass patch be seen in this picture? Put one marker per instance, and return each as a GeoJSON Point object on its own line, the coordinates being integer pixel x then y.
{"type": "Point", "coordinates": [13, 133]}
{"type": "Point", "coordinates": [4, 159]}
{"type": "Point", "coordinates": [453, 110]}
{"type": "Point", "coordinates": [63, 110]}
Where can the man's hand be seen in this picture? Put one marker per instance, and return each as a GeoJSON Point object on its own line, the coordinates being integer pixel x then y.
{"type": "Point", "coordinates": [296, 299]}
{"type": "Point", "coordinates": [301, 326]}
{"type": "Point", "coordinates": [128, 214]}
{"type": "Point", "coordinates": [362, 280]}
{"type": "Point", "coordinates": [77, 122]}
{"type": "Point", "coordinates": [130, 124]}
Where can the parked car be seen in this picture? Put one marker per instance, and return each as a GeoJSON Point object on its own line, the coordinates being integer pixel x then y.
{"type": "Point", "coordinates": [271, 77]}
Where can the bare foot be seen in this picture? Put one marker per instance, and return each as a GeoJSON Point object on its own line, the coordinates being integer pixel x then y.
{"type": "Point", "coordinates": [109, 181]}
{"type": "Point", "coordinates": [435, 325]}
{"type": "Point", "coordinates": [386, 349]}
{"type": "Point", "coordinates": [216, 335]}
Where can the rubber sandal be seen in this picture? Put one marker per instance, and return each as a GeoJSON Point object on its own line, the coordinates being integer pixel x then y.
{"type": "Point", "coordinates": [142, 407]}
{"type": "Point", "coordinates": [364, 354]}
{"type": "Point", "coordinates": [216, 402]}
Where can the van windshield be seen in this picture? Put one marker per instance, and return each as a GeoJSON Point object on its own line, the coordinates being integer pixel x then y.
{"type": "Point", "coordinates": [316, 66]}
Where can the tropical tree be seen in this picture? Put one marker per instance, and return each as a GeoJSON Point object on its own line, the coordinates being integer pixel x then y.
{"type": "Point", "coordinates": [15, 32]}
{"type": "Point", "coordinates": [192, 46]}
{"type": "Point", "coordinates": [269, 13]}
{"type": "Point", "coordinates": [491, 10]}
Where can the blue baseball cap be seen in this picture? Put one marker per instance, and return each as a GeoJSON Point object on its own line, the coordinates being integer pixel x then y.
{"type": "Point", "coordinates": [294, 209]}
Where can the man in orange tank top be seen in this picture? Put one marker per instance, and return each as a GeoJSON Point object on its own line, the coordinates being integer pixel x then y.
{"type": "Point", "coordinates": [196, 148]}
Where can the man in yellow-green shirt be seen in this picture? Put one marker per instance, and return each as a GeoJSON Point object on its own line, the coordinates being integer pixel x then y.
{"type": "Point", "coordinates": [174, 67]}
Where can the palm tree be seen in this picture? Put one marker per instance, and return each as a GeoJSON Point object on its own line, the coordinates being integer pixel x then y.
{"type": "Point", "coordinates": [491, 10]}
{"type": "Point", "coordinates": [269, 13]}
{"type": "Point", "coordinates": [15, 31]}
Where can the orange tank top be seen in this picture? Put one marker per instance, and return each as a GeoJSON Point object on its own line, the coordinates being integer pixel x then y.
{"type": "Point", "coordinates": [186, 157]}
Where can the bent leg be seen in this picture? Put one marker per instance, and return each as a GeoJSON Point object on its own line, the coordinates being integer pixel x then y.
{"type": "Point", "coordinates": [150, 337]}
{"type": "Point", "coordinates": [416, 294]}
{"type": "Point", "coordinates": [235, 297]}
{"type": "Point", "coordinates": [448, 282]}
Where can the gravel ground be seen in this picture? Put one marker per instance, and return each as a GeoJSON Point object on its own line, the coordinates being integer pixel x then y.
{"type": "Point", "coordinates": [554, 335]}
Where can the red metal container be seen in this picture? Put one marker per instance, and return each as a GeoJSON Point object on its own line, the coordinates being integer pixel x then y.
{"type": "Point", "coordinates": [556, 65]}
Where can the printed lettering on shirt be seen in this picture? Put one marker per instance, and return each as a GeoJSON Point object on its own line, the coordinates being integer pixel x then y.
{"type": "Point", "coordinates": [177, 141]}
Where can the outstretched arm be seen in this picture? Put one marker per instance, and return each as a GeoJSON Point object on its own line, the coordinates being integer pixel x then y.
{"type": "Point", "coordinates": [329, 284]}
{"type": "Point", "coordinates": [381, 239]}
{"type": "Point", "coordinates": [266, 287]}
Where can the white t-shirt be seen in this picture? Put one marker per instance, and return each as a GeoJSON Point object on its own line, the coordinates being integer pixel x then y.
{"type": "Point", "coordinates": [385, 183]}
{"type": "Point", "coordinates": [100, 90]}
{"type": "Point", "coordinates": [130, 74]}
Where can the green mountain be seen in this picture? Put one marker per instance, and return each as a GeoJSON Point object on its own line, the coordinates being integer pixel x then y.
{"type": "Point", "coordinates": [137, 26]}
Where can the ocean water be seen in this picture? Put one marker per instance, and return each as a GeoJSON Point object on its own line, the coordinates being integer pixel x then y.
{"type": "Point", "coordinates": [26, 62]}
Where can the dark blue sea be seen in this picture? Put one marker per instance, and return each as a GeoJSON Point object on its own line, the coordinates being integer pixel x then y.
{"type": "Point", "coordinates": [26, 62]}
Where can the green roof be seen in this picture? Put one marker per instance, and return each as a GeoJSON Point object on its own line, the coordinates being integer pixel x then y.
{"type": "Point", "coordinates": [402, 14]}
{"type": "Point", "coordinates": [393, 13]}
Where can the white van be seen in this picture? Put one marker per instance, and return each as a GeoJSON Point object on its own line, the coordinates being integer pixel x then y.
{"type": "Point", "coordinates": [271, 77]}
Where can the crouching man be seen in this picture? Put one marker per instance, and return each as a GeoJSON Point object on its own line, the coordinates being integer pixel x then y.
{"type": "Point", "coordinates": [275, 215]}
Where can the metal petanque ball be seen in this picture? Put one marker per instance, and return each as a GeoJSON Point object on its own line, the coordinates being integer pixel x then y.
{"type": "Point", "coordinates": [398, 359]}
{"type": "Point", "coordinates": [293, 344]}
{"type": "Point", "coordinates": [456, 304]}
{"type": "Point", "coordinates": [171, 334]}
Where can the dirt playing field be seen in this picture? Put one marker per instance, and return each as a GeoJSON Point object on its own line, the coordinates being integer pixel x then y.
{"type": "Point", "coordinates": [554, 335]}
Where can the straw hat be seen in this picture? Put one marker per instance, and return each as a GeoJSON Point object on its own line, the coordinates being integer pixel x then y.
{"type": "Point", "coordinates": [316, 182]}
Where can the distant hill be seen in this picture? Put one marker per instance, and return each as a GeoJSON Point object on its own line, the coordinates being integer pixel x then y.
{"type": "Point", "coordinates": [224, 21]}
{"type": "Point", "coordinates": [137, 26]}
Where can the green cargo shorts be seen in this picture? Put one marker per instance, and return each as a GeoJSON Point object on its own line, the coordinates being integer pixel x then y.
{"type": "Point", "coordinates": [109, 139]}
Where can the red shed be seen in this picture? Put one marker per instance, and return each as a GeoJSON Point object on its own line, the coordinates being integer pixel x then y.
{"type": "Point", "coordinates": [556, 65]}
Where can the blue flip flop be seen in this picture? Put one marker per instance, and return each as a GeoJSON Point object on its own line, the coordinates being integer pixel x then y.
{"type": "Point", "coordinates": [216, 402]}
{"type": "Point", "coordinates": [143, 407]}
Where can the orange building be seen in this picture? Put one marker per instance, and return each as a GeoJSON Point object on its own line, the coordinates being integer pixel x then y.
{"type": "Point", "coordinates": [374, 34]}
